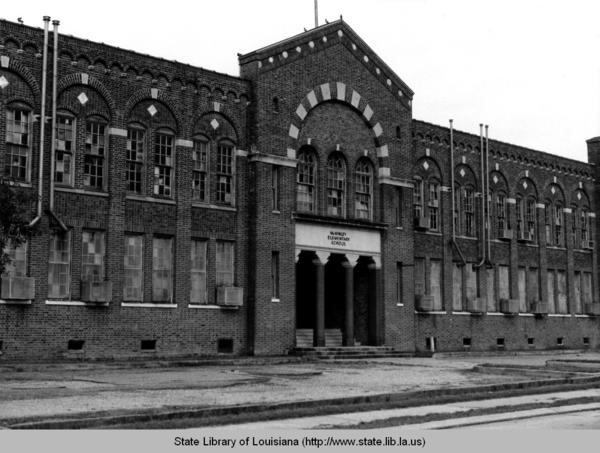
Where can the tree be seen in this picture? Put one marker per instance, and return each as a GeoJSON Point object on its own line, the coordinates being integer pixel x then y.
{"type": "Point", "coordinates": [15, 216]}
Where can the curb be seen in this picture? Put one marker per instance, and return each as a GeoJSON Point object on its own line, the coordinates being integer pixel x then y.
{"type": "Point", "coordinates": [210, 416]}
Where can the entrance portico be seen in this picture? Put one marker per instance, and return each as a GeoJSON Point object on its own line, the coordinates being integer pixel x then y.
{"type": "Point", "coordinates": [337, 284]}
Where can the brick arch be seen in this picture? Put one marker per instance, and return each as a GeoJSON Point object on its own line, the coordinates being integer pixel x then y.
{"type": "Point", "coordinates": [340, 92]}
{"type": "Point", "coordinates": [155, 94]}
{"type": "Point", "coordinates": [428, 167]}
{"type": "Point", "coordinates": [200, 126]}
{"type": "Point", "coordinates": [22, 71]}
{"type": "Point", "coordinates": [583, 200]}
{"type": "Point", "coordinates": [559, 193]}
{"type": "Point", "coordinates": [82, 78]}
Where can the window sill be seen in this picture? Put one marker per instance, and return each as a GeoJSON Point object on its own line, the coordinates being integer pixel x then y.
{"type": "Point", "coordinates": [583, 316]}
{"type": "Point", "coordinates": [150, 199]}
{"type": "Point", "coordinates": [81, 191]}
{"type": "Point", "coordinates": [275, 299]}
{"type": "Point", "coordinates": [555, 247]}
{"type": "Point", "coordinates": [213, 307]}
{"type": "Point", "coordinates": [77, 303]}
{"type": "Point", "coordinates": [559, 315]}
{"type": "Point", "coordinates": [275, 211]}
{"type": "Point", "coordinates": [15, 302]}
{"type": "Point", "coordinates": [214, 206]}
{"type": "Point", "coordinates": [470, 238]}
{"type": "Point", "coordinates": [20, 184]}
{"type": "Point", "coordinates": [147, 305]}
{"type": "Point", "coordinates": [430, 312]}
{"type": "Point", "coordinates": [399, 305]}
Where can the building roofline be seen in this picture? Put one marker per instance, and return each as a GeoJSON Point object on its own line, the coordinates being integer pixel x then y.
{"type": "Point", "coordinates": [499, 142]}
{"type": "Point", "coordinates": [122, 49]}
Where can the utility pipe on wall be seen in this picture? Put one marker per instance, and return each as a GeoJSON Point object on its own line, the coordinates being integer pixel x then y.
{"type": "Point", "coordinates": [452, 191]}
{"type": "Point", "coordinates": [483, 197]}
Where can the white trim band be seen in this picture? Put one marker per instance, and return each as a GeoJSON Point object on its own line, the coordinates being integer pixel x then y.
{"type": "Point", "coordinates": [117, 131]}
{"type": "Point", "coordinates": [184, 143]}
{"type": "Point", "coordinates": [147, 305]}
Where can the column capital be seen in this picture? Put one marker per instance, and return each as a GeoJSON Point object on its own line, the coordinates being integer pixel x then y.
{"type": "Point", "coordinates": [323, 256]}
{"type": "Point", "coordinates": [352, 258]}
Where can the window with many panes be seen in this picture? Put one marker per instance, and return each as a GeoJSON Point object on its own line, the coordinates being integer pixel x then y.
{"type": "Point", "coordinates": [135, 158]}
{"type": "Point", "coordinates": [530, 218]}
{"type": "Point", "coordinates": [336, 185]}
{"type": "Point", "coordinates": [200, 158]}
{"type": "Point", "coordinates": [585, 227]}
{"type": "Point", "coordinates": [17, 266]}
{"type": "Point", "coordinates": [92, 256]}
{"type": "Point", "coordinates": [95, 155]}
{"type": "Point", "coordinates": [468, 207]}
{"type": "Point", "coordinates": [64, 154]}
{"type": "Point", "coordinates": [17, 160]}
{"type": "Point", "coordinates": [198, 272]}
{"type": "Point", "coordinates": [433, 205]}
{"type": "Point", "coordinates": [224, 263]}
{"type": "Point", "coordinates": [559, 221]}
{"type": "Point", "coordinates": [519, 216]}
{"type": "Point", "coordinates": [501, 223]}
{"type": "Point", "coordinates": [163, 164]}
{"type": "Point", "coordinates": [305, 181]}
{"type": "Point", "coordinates": [134, 275]}
{"type": "Point", "coordinates": [59, 266]}
{"type": "Point", "coordinates": [225, 173]}
{"type": "Point", "coordinates": [456, 213]}
{"type": "Point", "coordinates": [162, 269]}
{"type": "Point", "coordinates": [418, 198]}
{"type": "Point", "coordinates": [364, 190]}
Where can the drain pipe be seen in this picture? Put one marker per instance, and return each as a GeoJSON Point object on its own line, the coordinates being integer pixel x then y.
{"type": "Point", "coordinates": [452, 191]}
{"type": "Point", "coordinates": [483, 197]}
{"type": "Point", "coordinates": [53, 135]}
{"type": "Point", "coordinates": [42, 124]}
{"type": "Point", "coordinates": [487, 183]}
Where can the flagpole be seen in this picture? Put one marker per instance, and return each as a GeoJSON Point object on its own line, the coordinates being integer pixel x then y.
{"type": "Point", "coordinates": [316, 13]}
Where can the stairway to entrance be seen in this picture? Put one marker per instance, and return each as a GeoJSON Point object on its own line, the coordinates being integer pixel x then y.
{"type": "Point", "coordinates": [333, 348]}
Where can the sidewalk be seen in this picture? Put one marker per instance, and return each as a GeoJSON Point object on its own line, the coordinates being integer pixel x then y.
{"type": "Point", "coordinates": [99, 394]}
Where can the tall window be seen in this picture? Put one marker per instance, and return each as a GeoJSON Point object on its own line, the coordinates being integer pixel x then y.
{"type": "Point", "coordinates": [59, 266]}
{"type": "Point", "coordinates": [418, 199]}
{"type": "Point", "coordinates": [162, 270]}
{"type": "Point", "coordinates": [364, 190]}
{"type": "Point", "coordinates": [133, 284]}
{"type": "Point", "coordinates": [198, 272]}
{"type": "Point", "coordinates": [225, 174]}
{"type": "Point", "coordinates": [163, 164]}
{"type": "Point", "coordinates": [585, 227]}
{"type": "Point", "coordinates": [275, 275]}
{"type": "Point", "coordinates": [468, 207]}
{"type": "Point", "coordinates": [64, 156]}
{"type": "Point", "coordinates": [96, 151]}
{"type": "Point", "coordinates": [559, 217]}
{"type": "Point", "coordinates": [433, 205]}
{"type": "Point", "coordinates": [530, 218]}
{"type": "Point", "coordinates": [519, 215]}
{"type": "Point", "coordinates": [200, 170]}
{"type": "Point", "coordinates": [305, 181]}
{"type": "Point", "coordinates": [501, 213]}
{"type": "Point", "coordinates": [18, 144]}
{"type": "Point", "coordinates": [17, 267]}
{"type": "Point", "coordinates": [336, 185]}
{"type": "Point", "coordinates": [456, 213]}
{"type": "Point", "coordinates": [135, 157]}
{"type": "Point", "coordinates": [92, 256]}
{"type": "Point", "coordinates": [224, 258]}
{"type": "Point", "coordinates": [275, 181]}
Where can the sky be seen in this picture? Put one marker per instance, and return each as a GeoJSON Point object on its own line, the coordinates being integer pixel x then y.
{"type": "Point", "coordinates": [528, 68]}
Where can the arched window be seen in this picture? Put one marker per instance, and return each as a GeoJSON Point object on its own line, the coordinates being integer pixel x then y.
{"type": "Point", "coordinates": [501, 217]}
{"type": "Point", "coordinates": [163, 162]}
{"type": "Point", "coordinates": [364, 190]}
{"type": "Point", "coordinates": [64, 155]}
{"type": "Point", "coordinates": [585, 225]}
{"type": "Point", "coordinates": [200, 158]}
{"type": "Point", "coordinates": [224, 173]}
{"type": "Point", "coordinates": [135, 158]}
{"type": "Point", "coordinates": [417, 199]}
{"type": "Point", "coordinates": [530, 218]}
{"type": "Point", "coordinates": [305, 181]}
{"type": "Point", "coordinates": [336, 185]}
{"type": "Point", "coordinates": [559, 221]}
{"type": "Point", "coordinates": [433, 204]}
{"type": "Point", "coordinates": [468, 210]}
{"type": "Point", "coordinates": [95, 171]}
{"type": "Point", "coordinates": [17, 161]}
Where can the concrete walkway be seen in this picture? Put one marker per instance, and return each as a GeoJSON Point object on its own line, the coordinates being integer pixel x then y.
{"type": "Point", "coordinates": [41, 392]}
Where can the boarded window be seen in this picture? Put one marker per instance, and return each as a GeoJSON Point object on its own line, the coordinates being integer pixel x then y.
{"type": "Point", "coordinates": [59, 266]}
{"type": "Point", "coordinates": [551, 292]}
{"type": "Point", "coordinates": [198, 272]}
{"type": "Point", "coordinates": [522, 290]}
{"type": "Point", "coordinates": [471, 281]}
{"type": "Point", "coordinates": [586, 287]}
{"type": "Point", "coordinates": [162, 270]}
{"type": "Point", "coordinates": [132, 287]}
{"type": "Point", "coordinates": [503, 282]}
{"type": "Point", "coordinates": [577, 292]}
{"type": "Point", "coordinates": [92, 256]}
{"type": "Point", "coordinates": [435, 280]}
{"type": "Point", "coordinates": [533, 292]}
{"type": "Point", "coordinates": [561, 296]}
{"type": "Point", "coordinates": [457, 297]}
{"type": "Point", "coordinates": [224, 258]}
{"type": "Point", "coordinates": [490, 290]}
{"type": "Point", "coordinates": [419, 276]}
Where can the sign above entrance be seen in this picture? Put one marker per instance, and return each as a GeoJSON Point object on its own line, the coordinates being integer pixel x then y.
{"type": "Point", "coordinates": [338, 239]}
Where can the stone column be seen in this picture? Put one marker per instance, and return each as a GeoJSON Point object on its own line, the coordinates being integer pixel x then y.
{"type": "Point", "coordinates": [319, 331]}
{"type": "Point", "coordinates": [348, 266]}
